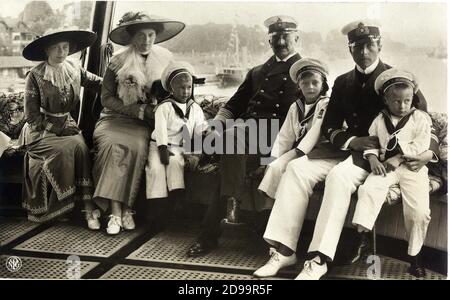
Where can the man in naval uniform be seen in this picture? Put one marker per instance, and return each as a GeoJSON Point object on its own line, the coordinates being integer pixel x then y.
{"type": "Point", "coordinates": [353, 101]}
{"type": "Point", "coordinates": [265, 94]}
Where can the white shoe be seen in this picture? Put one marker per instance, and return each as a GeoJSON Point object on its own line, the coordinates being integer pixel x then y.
{"type": "Point", "coordinates": [114, 225]}
{"type": "Point", "coordinates": [127, 219]}
{"type": "Point", "coordinates": [312, 270]}
{"type": "Point", "coordinates": [275, 263]}
{"type": "Point", "coordinates": [92, 218]}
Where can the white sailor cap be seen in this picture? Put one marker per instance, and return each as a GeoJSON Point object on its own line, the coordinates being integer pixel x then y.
{"type": "Point", "coordinates": [307, 64]}
{"type": "Point", "coordinates": [174, 69]}
{"type": "Point", "coordinates": [392, 77]}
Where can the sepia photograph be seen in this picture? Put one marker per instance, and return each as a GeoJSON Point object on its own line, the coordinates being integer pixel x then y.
{"type": "Point", "coordinates": [204, 141]}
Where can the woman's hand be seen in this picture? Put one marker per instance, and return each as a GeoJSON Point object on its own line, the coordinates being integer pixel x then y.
{"type": "Point", "coordinates": [415, 163]}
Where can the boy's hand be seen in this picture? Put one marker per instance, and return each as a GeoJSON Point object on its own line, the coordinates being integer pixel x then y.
{"type": "Point", "coordinates": [393, 163]}
{"type": "Point", "coordinates": [376, 166]}
{"type": "Point", "coordinates": [164, 154]}
{"type": "Point", "coordinates": [415, 163]}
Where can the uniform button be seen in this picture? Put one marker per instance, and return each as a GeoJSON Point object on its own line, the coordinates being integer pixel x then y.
{"type": "Point", "coordinates": [356, 126]}
{"type": "Point", "coordinates": [262, 91]}
{"type": "Point", "coordinates": [267, 79]}
{"type": "Point", "coordinates": [274, 115]}
{"type": "Point", "coordinates": [280, 92]}
{"type": "Point", "coordinates": [254, 113]}
{"type": "Point", "coordinates": [258, 102]}
{"type": "Point", "coordinates": [284, 78]}
{"type": "Point", "coordinates": [277, 105]}
{"type": "Point", "coordinates": [355, 114]}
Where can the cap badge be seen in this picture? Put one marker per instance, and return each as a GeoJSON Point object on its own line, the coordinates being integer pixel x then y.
{"type": "Point", "coordinates": [362, 29]}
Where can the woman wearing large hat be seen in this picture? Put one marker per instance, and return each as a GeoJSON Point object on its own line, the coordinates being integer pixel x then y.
{"type": "Point", "coordinates": [58, 170]}
{"type": "Point", "coordinates": [122, 134]}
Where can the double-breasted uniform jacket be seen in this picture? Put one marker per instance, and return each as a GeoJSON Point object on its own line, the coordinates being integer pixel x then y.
{"type": "Point", "coordinates": [356, 103]}
{"type": "Point", "coordinates": [266, 93]}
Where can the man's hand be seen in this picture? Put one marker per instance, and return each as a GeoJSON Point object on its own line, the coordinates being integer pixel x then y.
{"type": "Point", "coordinates": [364, 143]}
{"type": "Point", "coordinates": [393, 163]}
{"type": "Point", "coordinates": [415, 163]}
{"type": "Point", "coordinates": [69, 131]}
{"type": "Point", "coordinates": [376, 166]}
{"type": "Point", "coordinates": [258, 173]}
{"type": "Point", "coordinates": [149, 114]}
{"type": "Point", "coordinates": [164, 154]}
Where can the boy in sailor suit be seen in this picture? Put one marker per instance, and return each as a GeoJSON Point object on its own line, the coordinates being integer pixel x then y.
{"type": "Point", "coordinates": [402, 131]}
{"type": "Point", "coordinates": [301, 129]}
{"type": "Point", "coordinates": [165, 167]}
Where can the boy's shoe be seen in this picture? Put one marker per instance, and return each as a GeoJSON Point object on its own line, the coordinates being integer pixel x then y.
{"type": "Point", "coordinates": [312, 270]}
{"type": "Point", "coordinates": [114, 225]}
{"type": "Point", "coordinates": [127, 219]}
{"type": "Point", "coordinates": [92, 218]}
{"type": "Point", "coordinates": [275, 263]}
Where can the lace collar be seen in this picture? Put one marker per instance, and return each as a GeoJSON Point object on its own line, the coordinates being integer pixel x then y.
{"type": "Point", "coordinates": [62, 75]}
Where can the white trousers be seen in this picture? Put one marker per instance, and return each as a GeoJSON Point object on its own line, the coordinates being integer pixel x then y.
{"type": "Point", "coordinates": [161, 178]}
{"type": "Point", "coordinates": [340, 184]}
{"type": "Point", "coordinates": [274, 171]}
{"type": "Point", "coordinates": [414, 188]}
{"type": "Point", "coordinates": [292, 198]}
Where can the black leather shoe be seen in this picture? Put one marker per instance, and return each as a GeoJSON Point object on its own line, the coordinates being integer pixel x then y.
{"type": "Point", "coordinates": [363, 249]}
{"type": "Point", "coordinates": [201, 248]}
{"type": "Point", "coordinates": [416, 269]}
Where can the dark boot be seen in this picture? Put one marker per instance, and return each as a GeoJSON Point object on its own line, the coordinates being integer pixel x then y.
{"type": "Point", "coordinates": [362, 250]}
{"type": "Point", "coordinates": [416, 269]}
{"type": "Point", "coordinates": [233, 212]}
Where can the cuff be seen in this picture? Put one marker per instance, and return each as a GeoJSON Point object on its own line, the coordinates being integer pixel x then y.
{"type": "Point", "coordinates": [48, 126]}
{"type": "Point", "coordinates": [347, 143]}
{"type": "Point", "coordinates": [223, 114]}
{"type": "Point", "coordinates": [299, 149]}
{"type": "Point", "coordinates": [375, 152]}
{"type": "Point", "coordinates": [434, 147]}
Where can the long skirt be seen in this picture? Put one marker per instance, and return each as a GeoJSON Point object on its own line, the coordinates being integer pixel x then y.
{"type": "Point", "coordinates": [57, 173]}
{"type": "Point", "coordinates": [121, 151]}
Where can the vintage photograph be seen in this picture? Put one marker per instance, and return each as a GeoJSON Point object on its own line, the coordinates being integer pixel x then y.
{"type": "Point", "coordinates": [223, 140]}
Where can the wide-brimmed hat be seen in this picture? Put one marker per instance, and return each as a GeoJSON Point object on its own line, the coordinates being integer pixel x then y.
{"type": "Point", "coordinates": [78, 40]}
{"type": "Point", "coordinates": [392, 77]}
{"type": "Point", "coordinates": [165, 28]}
{"type": "Point", "coordinates": [307, 64]}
